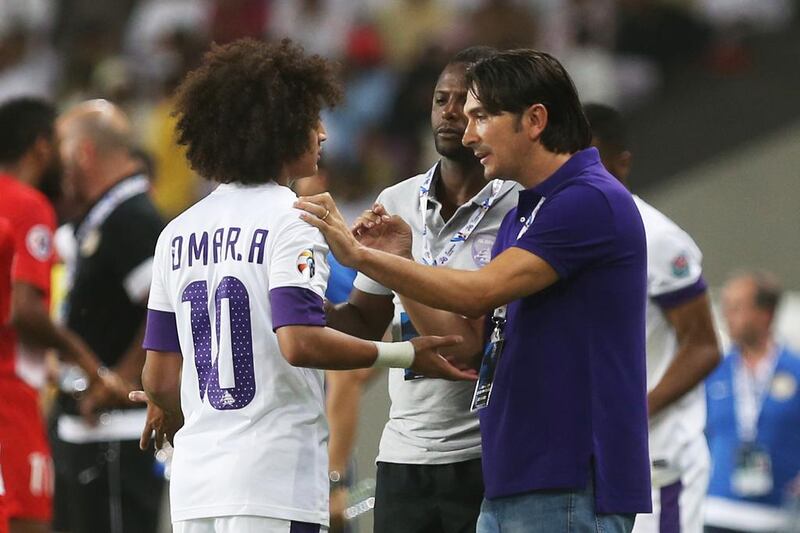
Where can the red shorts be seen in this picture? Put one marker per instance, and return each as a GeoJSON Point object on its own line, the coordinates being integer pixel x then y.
{"type": "Point", "coordinates": [25, 459]}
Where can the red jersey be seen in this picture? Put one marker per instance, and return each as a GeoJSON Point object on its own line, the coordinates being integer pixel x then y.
{"type": "Point", "coordinates": [32, 220]}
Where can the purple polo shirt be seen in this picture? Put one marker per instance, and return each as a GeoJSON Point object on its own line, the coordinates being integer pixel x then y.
{"type": "Point", "coordinates": [569, 398]}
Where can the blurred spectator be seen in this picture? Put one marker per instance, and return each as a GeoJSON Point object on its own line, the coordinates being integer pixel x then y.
{"type": "Point", "coordinates": [28, 65]}
{"type": "Point", "coordinates": [234, 19]}
{"type": "Point", "coordinates": [320, 26]}
{"type": "Point", "coordinates": [409, 28]}
{"type": "Point", "coordinates": [103, 481]}
{"type": "Point", "coordinates": [753, 415]}
{"type": "Point", "coordinates": [504, 24]}
{"type": "Point", "coordinates": [369, 90]}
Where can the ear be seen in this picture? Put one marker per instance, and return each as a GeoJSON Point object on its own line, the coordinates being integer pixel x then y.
{"type": "Point", "coordinates": [534, 121]}
{"type": "Point", "coordinates": [624, 161]}
{"type": "Point", "coordinates": [43, 148]}
{"type": "Point", "coordinates": [85, 153]}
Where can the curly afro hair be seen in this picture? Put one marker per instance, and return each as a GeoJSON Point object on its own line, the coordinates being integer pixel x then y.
{"type": "Point", "coordinates": [250, 108]}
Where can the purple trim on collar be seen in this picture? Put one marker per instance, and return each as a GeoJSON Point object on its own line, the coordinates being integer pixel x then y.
{"type": "Point", "coordinates": [673, 299]}
{"type": "Point", "coordinates": [296, 306]}
{"type": "Point", "coordinates": [573, 166]}
{"type": "Point", "coordinates": [303, 527]}
{"type": "Point", "coordinates": [161, 332]}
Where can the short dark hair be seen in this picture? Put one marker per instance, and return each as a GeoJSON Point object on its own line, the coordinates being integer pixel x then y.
{"type": "Point", "coordinates": [768, 290]}
{"type": "Point", "coordinates": [22, 122]}
{"type": "Point", "coordinates": [471, 55]}
{"type": "Point", "coordinates": [607, 126]}
{"type": "Point", "coordinates": [250, 107]}
{"type": "Point", "coordinates": [514, 80]}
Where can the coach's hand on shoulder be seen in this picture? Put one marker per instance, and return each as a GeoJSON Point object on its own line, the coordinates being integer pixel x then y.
{"type": "Point", "coordinates": [430, 363]}
{"type": "Point", "coordinates": [322, 213]}
{"type": "Point", "coordinates": [377, 229]}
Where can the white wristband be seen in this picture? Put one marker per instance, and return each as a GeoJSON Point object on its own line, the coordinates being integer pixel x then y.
{"type": "Point", "coordinates": [394, 354]}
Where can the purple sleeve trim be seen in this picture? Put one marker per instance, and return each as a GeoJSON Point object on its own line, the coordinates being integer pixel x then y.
{"type": "Point", "coordinates": [296, 306]}
{"type": "Point", "coordinates": [673, 299]}
{"type": "Point", "coordinates": [161, 333]}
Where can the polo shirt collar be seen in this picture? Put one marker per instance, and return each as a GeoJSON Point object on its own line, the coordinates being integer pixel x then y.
{"type": "Point", "coordinates": [573, 166]}
{"type": "Point", "coordinates": [478, 199]}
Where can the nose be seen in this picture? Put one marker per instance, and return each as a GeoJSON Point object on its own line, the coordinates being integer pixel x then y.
{"type": "Point", "coordinates": [451, 109]}
{"type": "Point", "coordinates": [470, 137]}
{"type": "Point", "coordinates": [322, 134]}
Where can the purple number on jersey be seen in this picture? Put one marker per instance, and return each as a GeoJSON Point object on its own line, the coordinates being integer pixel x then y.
{"type": "Point", "coordinates": [241, 340]}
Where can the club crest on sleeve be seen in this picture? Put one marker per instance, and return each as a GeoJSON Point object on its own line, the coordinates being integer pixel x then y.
{"type": "Point", "coordinates": [680, 266]}
{"type": "Point", "coordinates": [305, 264]}
{"type": "Point", "coordinates": [39, 242]}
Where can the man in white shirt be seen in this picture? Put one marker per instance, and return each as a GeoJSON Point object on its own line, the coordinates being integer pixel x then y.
{"type": "Point", "coordinates": [681, 350]}
{"type": "Point", "coordinates": [236, 303]}
{"type": "Point", "coordinates": [429, 466]}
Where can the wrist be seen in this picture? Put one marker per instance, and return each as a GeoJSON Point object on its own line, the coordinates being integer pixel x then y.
{"type": "Point", "coordinates": [394, 354]}
{"type": "Point", "coordinates": [337, 480]}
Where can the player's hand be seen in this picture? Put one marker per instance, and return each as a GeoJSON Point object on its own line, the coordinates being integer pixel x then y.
{"type": "Point", "coordinates": [430, 363]}
{"type": "Point", "coordinates": [159, 423]}
{"type": "Point", "coordinates": [321, 212]}
{"type": "Point", "coordinates": [377, 229]}
{"type": "Point", "coordinates": [338, 503]}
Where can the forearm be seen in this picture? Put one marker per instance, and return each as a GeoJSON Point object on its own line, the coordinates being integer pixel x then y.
{"type": "Point", "coordinates": [344, 389]}
{"type": "Point", "coordinates": [130, 365]}
{"type": "Point", "coordinates": [348, 318]}
{"type": "Point", "coordinates": [325, 348]}
{"type": "Point", "coordinates": [37, 329]}
{"type": "Point", "coordinates": [692, 364]}
{"type": "Point", "coordinates": [696, 356]}
{"type": "Point", "coordinates": [429, 321]}
{"type": "Point", "coordinates": [161, 380]}
{"type": "Point", "coordinates": [458, 291]}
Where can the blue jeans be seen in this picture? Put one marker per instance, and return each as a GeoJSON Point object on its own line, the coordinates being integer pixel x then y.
{"type": "Point", "coordinates": [551, 511]}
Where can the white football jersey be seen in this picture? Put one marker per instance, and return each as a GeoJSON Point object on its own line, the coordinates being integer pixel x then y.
{"type": "Point", "coordinates": [229, 271]}
{"type": "Point", "coordinates": [674, 276]}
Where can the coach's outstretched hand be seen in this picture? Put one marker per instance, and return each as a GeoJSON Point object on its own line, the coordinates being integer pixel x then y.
{"type": "Point", "coordinates": [321, 212]}
{"type": "Point", "coordinates": [430, 363]}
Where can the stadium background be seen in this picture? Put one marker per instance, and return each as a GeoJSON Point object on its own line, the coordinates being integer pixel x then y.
{"type": "Point", "coordinates": [710, 89]}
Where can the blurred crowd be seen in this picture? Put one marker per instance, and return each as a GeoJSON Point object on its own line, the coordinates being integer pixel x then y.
{"type": "Point", "coordinates": [134, 52]}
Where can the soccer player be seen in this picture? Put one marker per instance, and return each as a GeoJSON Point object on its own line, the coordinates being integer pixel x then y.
{"type": "Point", "coordinates": [28, 156]}
{"type": "Point", "coordinates": [237, 291]}
{"type": "Point", "coordinates": [681, 349]}
{"type": "Point", "coordinates": [431, 438]}
{"type": "Point", "coordinates": [561, 390]}
{"type": "Point", "coordinates": [6, 257]}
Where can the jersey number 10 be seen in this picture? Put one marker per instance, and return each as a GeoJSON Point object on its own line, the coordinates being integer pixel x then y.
{"type": "Point", "coordinates": [236, 340]}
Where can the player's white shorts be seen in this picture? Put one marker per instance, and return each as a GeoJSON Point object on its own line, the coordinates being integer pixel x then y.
{"type": "Point", "coordinates": [244, 524]}
{"type": "Point", "coordinates": [678, 507]}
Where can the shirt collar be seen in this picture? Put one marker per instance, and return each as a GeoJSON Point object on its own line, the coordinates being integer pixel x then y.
{"type": "Point", "coordinates": [573, 166]}
{"type": "Point", "coordinates": [478, 199]}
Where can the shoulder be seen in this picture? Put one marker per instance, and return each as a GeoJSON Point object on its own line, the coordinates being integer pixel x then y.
{"type": "Point", "coordinates": [663, 235]}
{"type": "Point", "coordinates": [31, 203]}
{"type": "Point", "coordinates": [402, 191]}
{"type": "Point", "coordinates": [791, 360]}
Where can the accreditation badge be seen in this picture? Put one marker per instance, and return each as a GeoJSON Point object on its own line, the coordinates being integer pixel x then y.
{"type": "Point", "coordinates": [491, 356]}
{"type": "Point", "coordinates": [752, 476]}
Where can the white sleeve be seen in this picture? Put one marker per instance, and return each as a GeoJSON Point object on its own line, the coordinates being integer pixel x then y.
{"type": "Point", "coordinates": [299, 257]}
{"type": "Point", "coordinates": [674, 269]}
{"type": "Point", "coordinates": [159, 299]}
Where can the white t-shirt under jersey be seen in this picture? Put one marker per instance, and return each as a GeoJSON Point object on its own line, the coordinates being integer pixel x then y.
{"type": "Point", "coordinates": [429, 419]}
{"type": "Point", "coordinates": [228, 272]}
{"type": "Point", "coordinates": [674, 276]}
